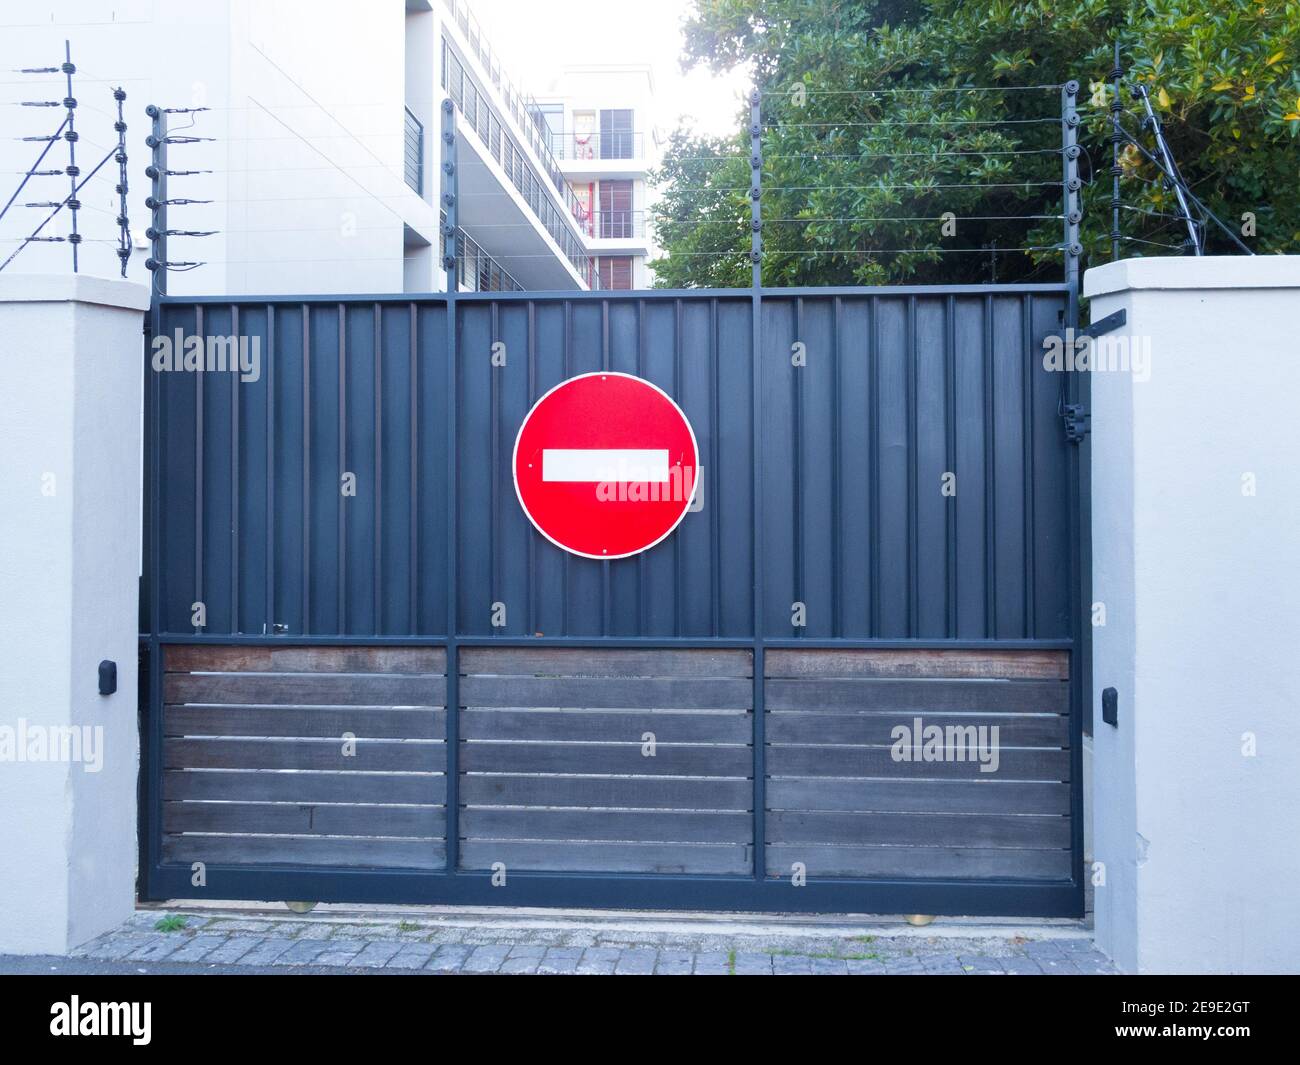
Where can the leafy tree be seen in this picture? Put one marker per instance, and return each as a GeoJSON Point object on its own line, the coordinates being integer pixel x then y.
{"type": "Point", "coordinates": [881, 143]}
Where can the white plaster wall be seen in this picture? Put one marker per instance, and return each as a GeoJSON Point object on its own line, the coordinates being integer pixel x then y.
{"type": "Point", "coordinates": [1201, 586]}
{"type": "Point", "coordinates": [307, 101]}
{"type": "Point", "coordinates": [71, 355]}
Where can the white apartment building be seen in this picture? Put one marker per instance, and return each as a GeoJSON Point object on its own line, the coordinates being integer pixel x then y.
{"type": "Point", "coordinates": [600, 129]}
{"type": "Point", "coordinates": [324, 173]}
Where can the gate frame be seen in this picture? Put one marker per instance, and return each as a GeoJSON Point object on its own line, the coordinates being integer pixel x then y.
{"type": "Point", "coordinates": [756, 891]}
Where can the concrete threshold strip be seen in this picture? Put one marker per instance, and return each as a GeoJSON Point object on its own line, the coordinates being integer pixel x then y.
{"type": "Point", "coordinates": [702, 923]}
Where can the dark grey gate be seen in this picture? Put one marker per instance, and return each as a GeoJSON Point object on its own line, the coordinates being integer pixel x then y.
{"type": "Point", "coordinates": [520, 745]}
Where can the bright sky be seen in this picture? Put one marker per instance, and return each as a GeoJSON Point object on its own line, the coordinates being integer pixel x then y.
{"type": "Point", "coordinates": [536, 37]}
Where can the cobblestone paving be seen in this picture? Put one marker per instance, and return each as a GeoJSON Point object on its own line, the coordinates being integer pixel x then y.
{"type": "Point", "coordinates": [433, 947]}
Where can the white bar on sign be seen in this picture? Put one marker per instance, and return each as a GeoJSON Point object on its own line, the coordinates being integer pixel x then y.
{"type": "Point", "coordinates": [605, 465]}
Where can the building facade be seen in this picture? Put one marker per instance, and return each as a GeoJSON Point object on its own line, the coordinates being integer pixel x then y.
{"type": "Point", "coordinates": [324, 164]}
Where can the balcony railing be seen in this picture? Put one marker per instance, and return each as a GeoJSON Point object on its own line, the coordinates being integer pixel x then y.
{"type": "Point", "coordinates": [557, 208]}
{"type": "Point", "coordinates": [413, 162]}
{"type": "Point", "coordinates": [522, 106]}
{"type": "Point", "coordinates": [615, 225]}
{"type": "Point", "coordinates": [476, 270]}
{"type": "Point", "coordinates": [617, 144]}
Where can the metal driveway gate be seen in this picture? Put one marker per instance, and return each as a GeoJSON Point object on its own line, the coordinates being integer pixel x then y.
{"type": "Point", "coordinates": [369, 679]}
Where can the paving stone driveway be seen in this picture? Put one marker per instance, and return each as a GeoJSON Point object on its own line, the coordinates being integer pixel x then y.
{"type": "Point", "coordinates": [433, 947]}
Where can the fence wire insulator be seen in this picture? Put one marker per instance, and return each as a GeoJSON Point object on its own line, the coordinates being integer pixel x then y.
{"type": "Point", "coordinates": [70, 135]}
{"type": "Point", "coordinates": [123, 219]}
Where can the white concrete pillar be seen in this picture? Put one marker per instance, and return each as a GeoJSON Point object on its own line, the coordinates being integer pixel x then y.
{"type": "Point", "coordinates": [1196, 559]}
{"type": "Point", "coordinates": [71, 349]}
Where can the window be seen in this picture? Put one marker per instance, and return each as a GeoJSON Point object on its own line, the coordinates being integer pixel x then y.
{"type": "Point", "coordinates": [616, 208]}
{"type": "Point", "coordinates": [616, 134]}
{"type": "Point", "coordinates": [616, 271]}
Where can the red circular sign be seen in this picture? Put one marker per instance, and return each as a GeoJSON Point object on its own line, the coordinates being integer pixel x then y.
{"type": "Point", "coordinates": [605, 465]}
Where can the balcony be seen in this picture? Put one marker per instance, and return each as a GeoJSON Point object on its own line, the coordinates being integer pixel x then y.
{"type": "Point", "coordinates": [499, 181]}
{"type": "Point", "coordinates": [587, 147]}
{"type": "Point", "coordinates": [614, 225]}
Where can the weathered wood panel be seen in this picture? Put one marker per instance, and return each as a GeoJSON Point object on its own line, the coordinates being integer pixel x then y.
{"type": "Point", "coordinates": [980, 665]}
{"type": "Point", "coordinates": [919, 829]}
{"type": "Point", "coordinates": [696, 693]}
{"type": "Point", "coordinates": [554, 774]}
{"type": "Point", "coordinates": [681, 793]}
{"type": "Point", "coordinates": [839, 801]}
{"type": "Point", "coordinates": [485, 756]}
{"type": "Point", "coordinates": [844, 761]}
{"type": "Point", "coordinates": [296, 850]}
{"type": "Point", "coordinates": [579, 662]}
{"type": "Point", "coordinates": [372, 755]}
{"type": "Point", "coordinates": [310, 689]}
{"type": "Point", "coordinates": [257, 771]}
{"type": "Point", "coordinates": [566, 856]}
{"type": "Point", "coordinates": [270, 786]}
{"type": "Point", "coordinates": [871, 728]}
{"type": "Point", "coordinates": [668, 826]}
{"type": "Point", "coordinates": [668, 726]}
{"type": "Point", "coordinates": [206, 658]}
{"type": "Point", "coordinates": [308, 721]}
{"type": "Point", "coordinates": [303, 819]}
{"type": "Point", "coordinates": [917, 862]}
{"type": "Point", "coordinates": [918, 796]}
{"type": "Point", "coordinates": [919, 696]}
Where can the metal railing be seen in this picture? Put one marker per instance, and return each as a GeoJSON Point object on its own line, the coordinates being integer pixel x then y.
{"type": "Point", "coordinates": [616, 144]}
{"type": "Point", "coordinates": [549, 205]}
{"type": "Point", "coordinates": [615, 225]}
{"type": "Point", "coordinates": [522, 106]}
{"type": "Point", "coordinates": [476, 270]}
{"type": "Point", "coordinates": [413, 160]}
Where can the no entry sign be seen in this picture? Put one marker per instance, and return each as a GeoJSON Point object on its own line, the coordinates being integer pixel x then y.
{"type": "Point", "coordinates": [605, 465]}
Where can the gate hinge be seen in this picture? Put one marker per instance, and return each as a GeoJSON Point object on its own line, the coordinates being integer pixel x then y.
{"type": "Point", "coordinates": [1076, 422]}
{"type": "Point", "coordinates": [1109, 324]}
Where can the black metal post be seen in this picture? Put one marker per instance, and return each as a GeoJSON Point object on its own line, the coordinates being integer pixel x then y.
{"type": "Point", "coordinates": [1172, 176]}
{"type": "Point", "coordinates": [1070, 190]}
{"type": "Point", "coordinates": [70, 135]}
{"type": "Point", "coordinates": [756, 370]}
{"type": "Point", "coordinates": [1116, 106]}
{"type": "Point", "coordinates": [157, 172]}
{"type": "Point", "coordinates": [450, 189]}
{"type": "Point", "coordinates": [123, 221]}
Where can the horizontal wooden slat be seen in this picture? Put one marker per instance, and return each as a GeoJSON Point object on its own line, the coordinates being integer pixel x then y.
{"type": "Point", "coordinates": [595, 758]}
{"type": "Point", "coordinates": [273, 786]}
{"type": "Point", "coordinates": [643, 792]}
{"type": "Point", "coordinates": [582, 662]}
{"type": "Point", "coordinates": [917, 862]}
{"type": "Point", "coordinates": [607, 857]}
{"type": "Point", "coordinates": [668, 726]}
{"type": "Point", "coordinates": [931, 830]}
{"type": "Point", "coordinates": [297, 819]}
{"type": "Point", "coordinates": [1013, 730]}
{"type": "Point", "coordinates": [202, 658]}
{"type": "Point", "coordinates": [696, 693]}
{"type": "Point", "coordinates": [325, 721]}
{"type": "Point", "coordinates": [632, 826]}
{"type": "Point", "coordinates": [294, 850]}
{"type": "Point", "coordinates": [304, 754]}
{"type": "Point", "coordinates": [828, 761]}
{"type": "Point", "coordinates": [919, 696]}
{"type": "Point", "coordinates": [922, 796]}
{"type": "Point", "coordinates": [318, 689]}
{"type": "Point", "coordinates": [1006, 665]}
